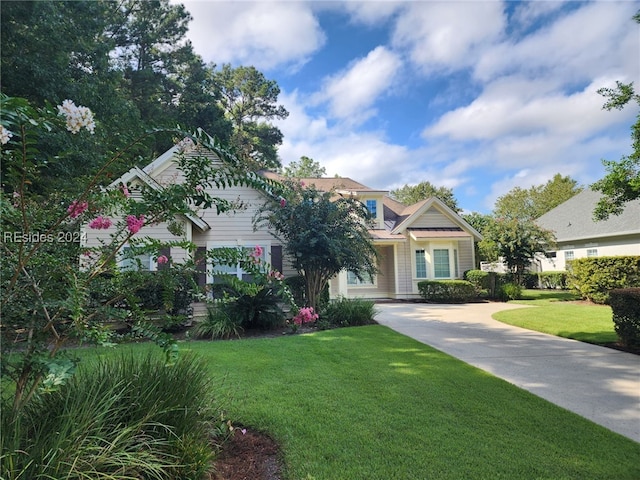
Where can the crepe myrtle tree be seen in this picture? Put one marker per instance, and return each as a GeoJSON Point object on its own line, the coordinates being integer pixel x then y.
{"type": "Point", "coordinates": [53, 287]}
{"type": "Point", "coordinates": [323, 233]}
{"type": "Point", "coordinates": [517, 242]}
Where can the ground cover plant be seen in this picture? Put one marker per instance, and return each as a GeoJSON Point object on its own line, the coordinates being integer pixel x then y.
{"type": "Point", "coordinates": [367, 402]}
{"type": "Point", "coordinates": [560, 313]}
{"type": "Point", "coordinates": [125, 416]}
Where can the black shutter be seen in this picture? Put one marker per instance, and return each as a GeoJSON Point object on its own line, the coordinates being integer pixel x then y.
{"type": "Point", "coordinates": [201, 266]}
{"type": "Point", "coordinates": [276, 257]}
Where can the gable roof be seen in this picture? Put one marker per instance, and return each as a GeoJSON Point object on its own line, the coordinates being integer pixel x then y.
{"type": "Point", "coordinates": [145, 178]}
{"type": "Point", "coordinates": [573, 219]}
{"type": "Point", "coordinates": [411, 213]}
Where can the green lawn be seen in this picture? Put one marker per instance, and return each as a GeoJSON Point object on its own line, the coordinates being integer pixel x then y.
{"type": "Point", "coordinates": [554, 315]}
{"type": "Point", "coordinates": [369, 403]}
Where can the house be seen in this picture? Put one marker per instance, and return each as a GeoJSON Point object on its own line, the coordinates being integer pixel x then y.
{"type": "Point", "coordinates": [579, 235]}
{"type": "Point", "coordinates": [427, 240]}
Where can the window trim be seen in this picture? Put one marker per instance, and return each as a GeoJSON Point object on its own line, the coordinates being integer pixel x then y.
{"type": "Point", "coordinates": [360, 283]}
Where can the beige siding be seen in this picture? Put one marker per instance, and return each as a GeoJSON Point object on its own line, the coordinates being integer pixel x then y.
{"type": "Point", "coordinates": [608, 247]}
{"type": "Point", "coordinates": [96, 238]}
{"type": "Point", "coordinates": [433, 218]}
{"type": "Point", "coordinates": [465, 256]}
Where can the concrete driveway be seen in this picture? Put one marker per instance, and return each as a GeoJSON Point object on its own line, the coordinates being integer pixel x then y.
{"type": "Point", "coordinates": [597, 383]}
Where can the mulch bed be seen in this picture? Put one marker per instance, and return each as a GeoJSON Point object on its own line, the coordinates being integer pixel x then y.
{"type": "Point", "coordinates": [249, 456]}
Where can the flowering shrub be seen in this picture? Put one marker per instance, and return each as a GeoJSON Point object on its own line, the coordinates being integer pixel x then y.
{"type": "Point", "coordinates": [305, 315]}
{"type": "Point", "coordinates": [53, 287]}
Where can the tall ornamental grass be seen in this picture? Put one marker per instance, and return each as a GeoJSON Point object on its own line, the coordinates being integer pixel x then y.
{"type": "Point", "coordinates": [123, 417]}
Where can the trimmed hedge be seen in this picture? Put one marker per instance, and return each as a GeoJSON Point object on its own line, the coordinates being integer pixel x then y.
{"type": "Point", "coordinates": [625, 303]}
{"type": "Point", "coordinates": [447, 291]}
{"type": "Point", "coordinates": [593, 278]}
{"type": "Point", "coordinates": [479, 279]}
{"type": "Point", "coordinates": [553, 280]}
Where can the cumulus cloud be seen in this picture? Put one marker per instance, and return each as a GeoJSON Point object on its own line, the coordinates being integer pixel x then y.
{"type": "Point", "coordinates": [447, 35]}
{"type": "Point", "coordinates": [351, 93]}
{"type": "Point", "coordinates": [599, 37]}
{"type": "Point", "coordinates": [263, 34]}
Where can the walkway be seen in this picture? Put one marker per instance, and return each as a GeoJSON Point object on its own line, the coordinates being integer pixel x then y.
{"type": "Point", "coordinates": [597, 383]}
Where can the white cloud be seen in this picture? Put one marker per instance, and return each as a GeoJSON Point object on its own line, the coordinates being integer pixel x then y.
{"type": "Point", "coordinates": [596, 38]}
{"type": "Point", "coordinates": [448, 35]}
{"type": "Point", "coordinates": [263, 34]}
{"type": "Point", "coordinates": [352, 93]}
{"type": "Point", "coordinates": [515, 106]}
{"type": "Point", "coordinates": [371, 13]}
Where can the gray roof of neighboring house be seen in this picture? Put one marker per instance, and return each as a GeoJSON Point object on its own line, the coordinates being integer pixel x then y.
{"type": "Point", "coordinates": [573, 219]}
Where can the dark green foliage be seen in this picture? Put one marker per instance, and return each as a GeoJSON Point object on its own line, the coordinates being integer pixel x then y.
{"type": "Point", "coordinates": [625, 304]}
{"type": "Point", "coordinates": [349, 312]}
{"type": "Point", "coordinates": [220, 322]}
{"type": "Point", "coordinates": [593, 278]}
{"type": "Point", "coordinates": [321, 234]}
{"type": "Point", "coordinates": [479, 279]}
{"type": "Point", "coordinates": [509, 291]}
{"type": "Point", "coordinates": [553, 279]}
{"type": "Point", "coordinates": [297, 286]}
{"type": "Point", "coordinates": [124, 417]}
{"type": "Point", "coordinates": [447, 291]}
{"type": "Point", "coordinates": [260, 309]}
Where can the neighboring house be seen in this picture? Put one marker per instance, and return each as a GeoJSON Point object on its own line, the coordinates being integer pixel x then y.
{"type": "Point", "coordinates": [427, 240]}
{"type": "Point", "coordinates": [578, 235]}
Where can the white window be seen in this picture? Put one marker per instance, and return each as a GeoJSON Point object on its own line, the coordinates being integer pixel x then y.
{"type": "Point", "coordinates": [568, 255]}
{"type": "Point", "coordinates": [441, 268]}
{"type": "Point", "coordinates": [353, 280]}
{"type": "Point", "coordinates": [235, 270]}
{"type": "Point", "coordinates": [142, 262]}
{"type": "Point", "coordinates": [592, 252]}
{"type": "Point", "coordinates": [421, 264]}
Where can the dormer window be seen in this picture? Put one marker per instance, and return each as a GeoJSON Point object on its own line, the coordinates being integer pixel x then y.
{"type": "Point", "coordinates": [372, 206]}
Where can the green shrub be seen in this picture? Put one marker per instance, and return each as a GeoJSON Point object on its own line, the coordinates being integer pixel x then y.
{"type": "Point", "coordinates": [479, 279]}
{"type": "Point", "coordinates": [625, 304]}
{"type": "Point", "coordinates": [553, 280]}
{"type": "Point", "coordinates": [593, 278]}
{"type": "Point", "coordinates": [259, 310]}
{"type": "Point", "coordinates": [448, 291]}
{"type": "Point", "coordinates": [349, 312]}
{"type": "Point", "coordinates": [510, 291]}
{"type": "Point", "coordinates": [123, 417]}
{"type": "Point", "coordinates": [220, 322]}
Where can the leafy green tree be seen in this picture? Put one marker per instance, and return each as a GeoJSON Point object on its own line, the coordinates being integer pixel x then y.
{"type": "Point", "coordinates": [305, 168]}
{"type": "Point", "coordinates": [410, 194]}
{"type": "Point", "coordinates": [622, 182]}
{"type": "Point", "coordinates": [249, 101]}
{"type": "Point", "coordinates": [484, 251]}
{"type": "Point", "coordinates": [517, 242]}
{"type": "Point", "coordinates": [534, 202]}
{"type": "Point", "coordinates": [321, 236]}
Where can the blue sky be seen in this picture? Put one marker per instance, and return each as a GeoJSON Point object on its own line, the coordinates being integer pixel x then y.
{"type": "Point", "coordinates": [477, 96]}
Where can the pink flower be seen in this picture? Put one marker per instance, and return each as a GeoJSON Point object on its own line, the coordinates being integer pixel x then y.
{"type": "Point", "coordinates": [162, 259]}
{"type": "Point", "coordinates": [283, 202]}
{"type": "Point", "coordinates": [275, 275]}
{"type": "Point", "coordinates": [256, 253]}
{"type": "Point", "coordinates": [77, 208]}
{"type": "Point", "coordinates": [125, 190]}
{"type": "Point", "coordinates": [199, 188]}
{"type": "Point", "coordinates": [302, 184]}
{"type": "Point", "coordinates": [100, 223]}
{"type": "Point", "coordinates": [134, 224]}
{"type": "Point", "coordinates": [305, 315]}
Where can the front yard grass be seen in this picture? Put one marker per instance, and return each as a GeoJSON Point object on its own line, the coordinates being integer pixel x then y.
{"type": "Point", "coordinates": [557, 315]}
{"type": "Point", "coordinates": [369, 403]}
